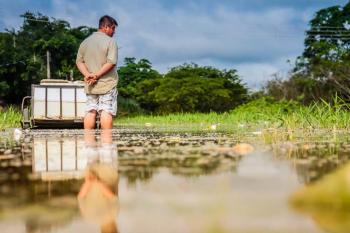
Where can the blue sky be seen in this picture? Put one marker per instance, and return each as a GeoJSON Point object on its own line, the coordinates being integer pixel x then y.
{"type": "Point", "coordinates": [256, 37]}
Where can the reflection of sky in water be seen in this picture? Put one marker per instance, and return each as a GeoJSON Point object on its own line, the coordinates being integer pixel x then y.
{"type": "Point", "coordinates": [249, 196]}
{"type": "Point", "coordinates": [226, 202]}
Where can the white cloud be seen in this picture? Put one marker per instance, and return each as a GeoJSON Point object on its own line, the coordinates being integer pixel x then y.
{"type": "Point", "coordinates": [256, 75]}
{"type": "Point", "coordinates": [253, 42]}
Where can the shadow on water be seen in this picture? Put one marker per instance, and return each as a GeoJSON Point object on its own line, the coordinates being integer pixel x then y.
{"type": "Point", "coordinates": [61, 181]}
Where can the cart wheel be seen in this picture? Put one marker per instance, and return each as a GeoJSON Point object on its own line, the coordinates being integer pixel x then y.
{"type": "Point", "coordinates": [25, 125]}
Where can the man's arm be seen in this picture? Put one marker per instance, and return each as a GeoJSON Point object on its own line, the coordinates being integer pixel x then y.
{"type": "Point", "coordinates": [104, 70]}
{"type": "Point", "coordinates": [83, 69]}
{"type": "Point", "coordinates": [88, 77]}
{"type": "Point", "coordinates": [79, 61]}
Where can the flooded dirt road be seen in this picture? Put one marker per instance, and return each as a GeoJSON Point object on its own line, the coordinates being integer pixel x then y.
{"type": "Point", "coordinates": [131, 181]}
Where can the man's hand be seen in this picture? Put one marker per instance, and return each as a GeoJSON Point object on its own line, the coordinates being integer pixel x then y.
{"type": "Point", "coordinates": [90, 79]}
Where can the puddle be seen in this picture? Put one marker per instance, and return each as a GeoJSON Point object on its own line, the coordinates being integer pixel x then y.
{"type": "Point", "coordinates": [130, 181]}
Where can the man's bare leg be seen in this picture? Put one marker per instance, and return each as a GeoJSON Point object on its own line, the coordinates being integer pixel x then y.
{"type": "Point", "coordinates": [90, 120]}
{"type": "Point", "coordinates": [106, 120]}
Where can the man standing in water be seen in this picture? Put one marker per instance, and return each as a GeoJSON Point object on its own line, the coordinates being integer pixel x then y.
{"type": "Point", "coordinates": [96, 60]}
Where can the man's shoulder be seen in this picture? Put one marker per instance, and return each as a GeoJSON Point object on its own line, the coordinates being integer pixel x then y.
{"type": "Point", "coordinates": [100, 36]}
{"type": "Point", "coordinates": [87, 39]}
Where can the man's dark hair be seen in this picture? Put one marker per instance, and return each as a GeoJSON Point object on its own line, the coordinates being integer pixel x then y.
{"type": "Point", "coordinates": [107, 21]}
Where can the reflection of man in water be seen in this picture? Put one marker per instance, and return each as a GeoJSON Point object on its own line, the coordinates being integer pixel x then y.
{"type": "Point", "coordinates": [98, 196]}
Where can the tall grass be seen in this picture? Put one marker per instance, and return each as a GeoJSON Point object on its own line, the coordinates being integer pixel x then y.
{"type": "Point", "coordinates": [10, 117]}
{"type": "Point", "coordinates": [259, 114]}
{"type": "Point", "coordinates": [320, 115]}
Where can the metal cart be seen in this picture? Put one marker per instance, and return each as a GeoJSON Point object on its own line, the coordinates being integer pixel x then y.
{"type": "Point", "coordinates": [54, 103]}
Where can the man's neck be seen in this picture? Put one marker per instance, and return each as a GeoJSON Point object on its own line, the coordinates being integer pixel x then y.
{"type": "Point", "coordinates": [101, 30]}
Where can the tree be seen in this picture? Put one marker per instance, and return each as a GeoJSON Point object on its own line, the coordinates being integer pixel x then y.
{"type": "Point", "coordinates": [132, 73]}
{"type": "Point", "coordinates": [322, 71]}
{"type": "Point", "coordinates": [191, 88]}
{"type": "Point", "coordinates": [23, 53]}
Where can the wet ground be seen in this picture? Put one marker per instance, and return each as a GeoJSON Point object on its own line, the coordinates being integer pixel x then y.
{"type": "Point", "coordinates": [146, 181]}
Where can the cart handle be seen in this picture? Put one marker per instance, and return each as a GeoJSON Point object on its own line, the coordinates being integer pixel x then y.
{"type": "Point", "coordinates": [23, 101]}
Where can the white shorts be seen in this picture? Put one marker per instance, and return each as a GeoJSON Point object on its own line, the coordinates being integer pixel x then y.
{"type": "Point", "coordinates": [106, 102]}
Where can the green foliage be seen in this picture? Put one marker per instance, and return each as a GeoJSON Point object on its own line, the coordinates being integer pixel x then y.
{"type": "Point", "coordinates": [23, 53]}
{"type": "Point", "coordinates": [128, 107]}
{"type": "Point", "coordinates": [132, 73]}
{"type": "Point", "coordinates": [186, 88]}
{"type": "Point", "coordinates": [10, 117]}
{"type": "Point", "coordinates": [143, 94]}
{"type": "Point", "coordinates": [191, 88]}
{"type": "Point", "coordinates": [266, 109]}
{"type": "Point", "coordinates": [324, 67]}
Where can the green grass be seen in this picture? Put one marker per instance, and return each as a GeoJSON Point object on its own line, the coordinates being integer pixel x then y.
{"type": "Point", "coordinates": [259, 114]}
{"type": "Point", "coordinates": [10, 117]}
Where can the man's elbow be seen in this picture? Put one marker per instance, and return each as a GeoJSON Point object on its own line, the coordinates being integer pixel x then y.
{"type": "Point", "coordinates": [111, 65]}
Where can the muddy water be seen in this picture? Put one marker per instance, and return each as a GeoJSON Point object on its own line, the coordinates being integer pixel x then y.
{"type": "Point", "coordinates": [121, 181]}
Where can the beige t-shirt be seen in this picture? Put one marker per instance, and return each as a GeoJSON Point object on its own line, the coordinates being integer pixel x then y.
{"type": "Point", "coordinates": [95, 51]}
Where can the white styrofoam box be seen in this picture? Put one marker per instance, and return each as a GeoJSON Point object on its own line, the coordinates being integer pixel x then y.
{"type": "Point", "coordinates": [80, 109]}
{"type": "Point", "coordinates": [68, 95]}
{"type": "Point", "coordinates": [39, 102]}
{"type": "Point", "coordinates": [39, 94]}
{"type": "Point", "coordinates": [53, 109]}
{"type": "Point", "coordinates": [81, 96]}
{"type": "Point", "coordinates": [53, 94]}
{"type": "Point", "coordinates": [54, 105]}
{"type": "Point", "coordinates": [39, 109]}
{"type": "Point", "coordinates": [68, 109]}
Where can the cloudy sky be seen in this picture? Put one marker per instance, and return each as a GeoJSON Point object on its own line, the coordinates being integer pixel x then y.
{"type": "Point", "coordinates": [256, 37]}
